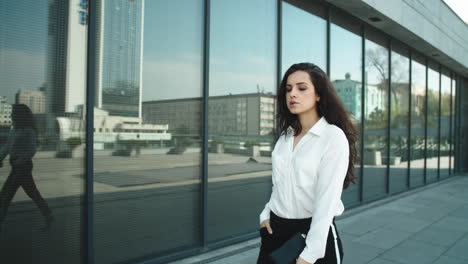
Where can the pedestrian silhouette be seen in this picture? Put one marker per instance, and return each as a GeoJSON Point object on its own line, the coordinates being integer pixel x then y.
{"type": "Point", "coordinates": [21, 146]}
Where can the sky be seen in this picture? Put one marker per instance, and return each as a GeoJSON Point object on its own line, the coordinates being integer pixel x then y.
{"type": "Point", "coordinates": [460, 7]}
{"type": "Point", "coordinates": [242, 56]}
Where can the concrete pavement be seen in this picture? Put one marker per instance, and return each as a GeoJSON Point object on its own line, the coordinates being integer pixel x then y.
{"type": "Point", "coordinates": [426, 225]}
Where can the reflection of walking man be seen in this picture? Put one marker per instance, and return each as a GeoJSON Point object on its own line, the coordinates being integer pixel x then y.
{"type": "Point", "coordinates": [21, 146]}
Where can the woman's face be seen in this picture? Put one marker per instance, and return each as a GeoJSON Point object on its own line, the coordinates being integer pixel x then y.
{"type": "Point", "coordinates": [300, 93]}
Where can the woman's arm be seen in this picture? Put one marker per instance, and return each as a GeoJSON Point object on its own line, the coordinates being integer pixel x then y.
{"type": "Point", "coordinates": [331, 174]}
{"type": "Point", "coordinates": [265, 214]}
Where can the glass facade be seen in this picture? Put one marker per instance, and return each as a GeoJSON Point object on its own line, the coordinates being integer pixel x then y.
{"type": "Point", "coordinates": [241, 114]}
{"type": "Point", "coordinates": [43, 47]}
{"type": "Point", "coordinates": [418, 121]}
{"type": "Point", "coordinates": [147, 166]}
{"type": "Point", "coordinates": [399, 119]}
{"type": "Point", "coordinates": [453, 123]}
{"type": "Point", "coordinates": [433, 119]}
{"type": "Point", "coordinates": [347, 80]}
{"type": "Point", "coordinates": [304, 34]}
{"type": "Point", "coordinates": [375, 155]}
{"type": "Point", "coordinates": [445, 101]}
{"type": "Point", "coordinates": [184, 120]}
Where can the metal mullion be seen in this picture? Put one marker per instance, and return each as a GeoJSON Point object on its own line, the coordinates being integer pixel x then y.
{"type": "Point", "coordinates": [204, 178]}
{"type": "Point", "coordinates": [88, 224]}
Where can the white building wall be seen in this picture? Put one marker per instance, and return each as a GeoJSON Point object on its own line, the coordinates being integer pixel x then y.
{"type": "Point", "coordinates": [76, 58]}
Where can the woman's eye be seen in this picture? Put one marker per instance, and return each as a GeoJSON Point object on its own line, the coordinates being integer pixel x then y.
{"type": "Point", "coordinates": [302, 88]}
{"type": "Point", "coordinates": [288, 90]}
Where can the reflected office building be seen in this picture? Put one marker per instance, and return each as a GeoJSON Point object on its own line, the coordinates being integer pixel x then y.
{"type": "Point", "coordinates": [173, 156]}
{"type": "Point", "coordinates": [120, 57]}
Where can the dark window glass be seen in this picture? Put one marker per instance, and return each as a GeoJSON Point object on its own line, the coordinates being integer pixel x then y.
{"type": "Point", "coordinates": [43, 67]}
{"type": "Point", "coordinates": [445, 124]}
{"type": "Point", "coordinates": [418, 121]}
{"type": "Point", "coordinates": [432, 144]}
{"type": "Point", "coordinates": [241, 117]}
{"type": "Point", "coordinates": [376, 116]}
{"type": "Point", "coordinates": [399, 94]}
{"type": "Point", "coordinates": [148, 148]}
{"type": "Point", "coordinates": [347, 80]}
{"type": "Point", "coordinates": [304, 34]}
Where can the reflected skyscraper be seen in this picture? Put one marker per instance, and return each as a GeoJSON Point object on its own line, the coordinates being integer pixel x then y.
{"type": "Point", "coordinates": [120, 57]}
{"type": "Point", "coordinates": [67, 52]}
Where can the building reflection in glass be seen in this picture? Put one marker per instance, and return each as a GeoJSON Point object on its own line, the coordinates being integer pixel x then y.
{"type": "Point", "coordinates": [347, 80]}
{"type": "Point", "coordinates": [418, 121]}
{"type": "Point", "coordinates": [399, 126]}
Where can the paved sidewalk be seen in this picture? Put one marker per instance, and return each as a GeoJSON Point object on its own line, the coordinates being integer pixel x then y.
{"type": "Point", "coordinates": [429, 225]}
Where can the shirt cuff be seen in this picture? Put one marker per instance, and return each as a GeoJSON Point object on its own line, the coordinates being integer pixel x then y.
{"type": "Point", "coordinates": [307, 256]}
{"type": "Point", "coordinates": [265, 215]}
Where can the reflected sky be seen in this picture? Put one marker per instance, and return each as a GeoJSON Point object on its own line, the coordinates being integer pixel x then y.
{"type": "Point", "coordinates": [243, 46]}
{"type": "Point", "coordinates": [173, 45]}
{"type": "Point", "coordinates": [303, 38]}
{"type": "Point", "coordinates": [173, 48]}
{"type": "Point", "coordinates": [23, 45]}
{"type": "Point", "coordinates": [349, 53]}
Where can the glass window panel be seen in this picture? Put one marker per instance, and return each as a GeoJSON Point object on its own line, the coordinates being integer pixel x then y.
{"type": "Point", "coordinates": [147, 140]}
{"type": "Point", "coordinates": [432, 144]}
{"type": "Point", "coordinates": [43, 68]}
{"type": "Point", "coordinates": [347, 80]}
{"type": "Point", "coordinates": [399, 94]}
{"type": "Point", "coordinates": [418, 121]}
{"type": "Point", "coordinates": [445, 125]}
{"type": "Point", "coordinates": [241, 117]}
{"type": "Point", "coordinates": [453, 127]}
{"type": "Point", "coordinates": [375, 124]}
{"type": "Point", "coordinates": [304, 36]}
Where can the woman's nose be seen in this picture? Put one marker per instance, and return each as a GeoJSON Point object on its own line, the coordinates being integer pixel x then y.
{"type": "Point", "coordinates": [292, 93]}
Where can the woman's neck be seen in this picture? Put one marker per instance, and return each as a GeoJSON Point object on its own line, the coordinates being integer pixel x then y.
{"type": "Point", "coordinates": [308, 120]}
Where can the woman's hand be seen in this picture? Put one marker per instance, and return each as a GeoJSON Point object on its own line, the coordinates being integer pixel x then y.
{"type": "Point", "coordinates": [266, 224]}
{"type": "Point", "coordinates": [301, 261]}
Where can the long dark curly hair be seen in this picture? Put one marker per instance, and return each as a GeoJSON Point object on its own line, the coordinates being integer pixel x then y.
{"type": "Point", "coordinates": [329, 106]}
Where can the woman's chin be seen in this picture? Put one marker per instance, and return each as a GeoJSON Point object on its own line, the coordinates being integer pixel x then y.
{"type": "Point", "coordinates": [294, 111]}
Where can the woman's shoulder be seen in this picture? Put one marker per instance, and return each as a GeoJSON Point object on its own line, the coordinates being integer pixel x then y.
{"type": "Point", "coordinates": [336, 134]}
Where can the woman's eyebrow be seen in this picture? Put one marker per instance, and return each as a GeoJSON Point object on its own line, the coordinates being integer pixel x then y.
{"type": "Point", "coordinates": [296, 83]}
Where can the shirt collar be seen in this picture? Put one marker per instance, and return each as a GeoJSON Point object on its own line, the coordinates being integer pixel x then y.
{"type": "Point", "coordinates": [319, 127]}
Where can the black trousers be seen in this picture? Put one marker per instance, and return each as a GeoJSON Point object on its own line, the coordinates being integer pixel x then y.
{"type": "Point", "coordinates": [21, 176]}
{"type": "Point", "coordinates": [283, 229]}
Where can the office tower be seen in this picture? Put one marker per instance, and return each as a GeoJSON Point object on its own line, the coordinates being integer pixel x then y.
{"type": "Point", "coordinates": [120, 57]}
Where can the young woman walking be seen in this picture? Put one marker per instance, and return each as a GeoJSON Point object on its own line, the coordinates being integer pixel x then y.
{"type": "Point", "coordinates": [313, 160]}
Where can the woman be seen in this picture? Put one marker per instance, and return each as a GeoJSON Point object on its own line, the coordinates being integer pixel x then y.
{"type": "Point", "coordinates": [312, 163]}
{"type": "Point", "coordinates": [21, 146]}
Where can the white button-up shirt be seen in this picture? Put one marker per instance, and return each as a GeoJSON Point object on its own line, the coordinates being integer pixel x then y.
{"type": "Point", "coordinates": [308, 182]}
